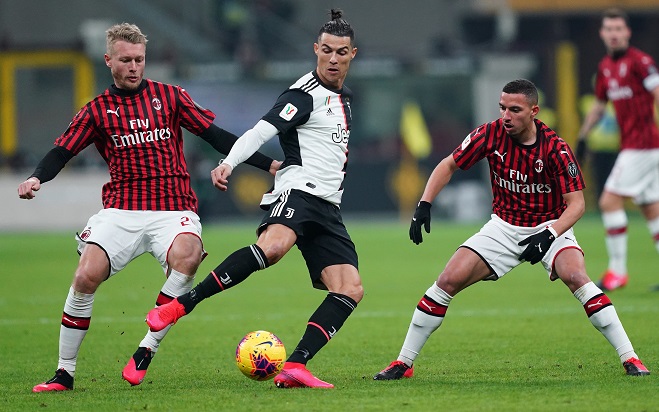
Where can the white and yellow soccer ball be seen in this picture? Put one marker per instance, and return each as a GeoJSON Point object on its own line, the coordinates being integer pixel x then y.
{"type": "Point", "coordinates": [260, 355]}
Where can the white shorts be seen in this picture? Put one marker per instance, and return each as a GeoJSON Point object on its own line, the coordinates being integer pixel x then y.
{"type": "Point", "coordinates": [497, 244]}
{"type": "Point", "coordinates": [127, 234]}
{"type": "Point", "coordinates": [635, 174]}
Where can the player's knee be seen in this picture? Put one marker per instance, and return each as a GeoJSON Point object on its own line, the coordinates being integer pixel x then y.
{"type": "Point", "coordinates": [574, 279]}
{"type": "Point", "coordinates": [186, 264]}
{"type": "Point", "coordinates": [610, 203]}
{"type": "Point", "coordinates": [447, 283]}
{"type": "Point", "coordinates": [356, 293]}
{"type": "Point", "coordinates": [602, 204]}
{"type": "Point", "coordinates": [274, 252]}
{"type": "Point", "coordinates": [185, 254]}
{"type": "Point", "coordinates": [86, 281]}
{"type": "Point", "coordinates": [351, 286]}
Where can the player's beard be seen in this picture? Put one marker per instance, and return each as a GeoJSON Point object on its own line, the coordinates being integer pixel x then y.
{"type": "Point", "coordinates": [127, 84]}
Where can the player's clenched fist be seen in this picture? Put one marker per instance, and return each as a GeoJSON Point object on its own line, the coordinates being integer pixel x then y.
{"type": "Point", "coordinates": [27, 188]}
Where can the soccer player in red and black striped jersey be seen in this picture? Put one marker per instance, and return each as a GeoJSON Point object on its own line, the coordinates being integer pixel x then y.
{"type": "Point", "coordinates": [148, 204]}
{"type": "Point", "coordinates": [629, 78]}
{"type": "Point", "coordinates": [537, 188]}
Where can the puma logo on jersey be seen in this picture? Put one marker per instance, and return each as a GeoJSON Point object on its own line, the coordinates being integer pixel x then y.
{"type": "Point", "coordinates": [115, 112]}
{"type": "Point", "coordinates": [496, 152]}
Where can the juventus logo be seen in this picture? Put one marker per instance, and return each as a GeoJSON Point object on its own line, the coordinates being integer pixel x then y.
{"type": "Point", "coordinates": [289, 212]}
{"type": "Point", "coordinates": [225, 279]}
{"type": "Point", "coordinates": [115, 112]}
{"type": "Point", "coordinates": [279, 207]}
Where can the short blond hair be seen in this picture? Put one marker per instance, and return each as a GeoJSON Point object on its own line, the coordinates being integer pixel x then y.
{"type": "Point", "coordinates": [124, 31]}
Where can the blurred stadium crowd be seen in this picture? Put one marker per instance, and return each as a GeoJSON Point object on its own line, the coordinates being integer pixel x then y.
{"type": "Point", "coordinates": [444, 59]}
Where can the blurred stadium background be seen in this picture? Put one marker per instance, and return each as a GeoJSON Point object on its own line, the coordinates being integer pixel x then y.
{"type": "Point", "coordinates": [427, 73]}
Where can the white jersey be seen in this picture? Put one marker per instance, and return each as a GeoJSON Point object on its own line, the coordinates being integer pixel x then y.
{"type": "Point", "coordinates": [314, 127]}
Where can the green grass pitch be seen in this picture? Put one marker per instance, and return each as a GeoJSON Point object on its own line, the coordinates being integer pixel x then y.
{"type": "Point", "coordinates": [520, 344]}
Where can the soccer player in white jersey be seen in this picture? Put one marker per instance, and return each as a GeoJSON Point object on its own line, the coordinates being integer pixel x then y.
{"type": "Point", "coordinates": [313, 120]}
{"type": "Point", "coordinates": [537, 198]}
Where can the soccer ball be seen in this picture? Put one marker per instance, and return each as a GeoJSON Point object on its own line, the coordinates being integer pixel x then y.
{"type": "Point", "coordinates": [260, 355]}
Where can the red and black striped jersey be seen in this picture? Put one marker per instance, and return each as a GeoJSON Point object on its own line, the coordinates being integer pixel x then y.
{"type": "Point", "coordinates": [138, 134]}
{"type": "Point", "coordinates": [627, 81]}
{"type": "Point", "coordinates": [528, 181]}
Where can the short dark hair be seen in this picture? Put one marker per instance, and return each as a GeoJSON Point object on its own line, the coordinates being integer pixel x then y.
{"type": "Point", "coordinates": [615, 13]}
{"type": "Point", "coordinates": [525, 87]}
{"type": "Point", "coordinates": [337, 26]}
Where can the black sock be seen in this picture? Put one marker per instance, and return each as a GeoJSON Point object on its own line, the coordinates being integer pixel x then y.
{"type": "Point", "coordinates": [233, 270]}
{"type": "Point", "coordinates": [323, 324]}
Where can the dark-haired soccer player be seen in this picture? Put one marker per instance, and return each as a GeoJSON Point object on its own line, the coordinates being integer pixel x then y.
{"type": "Point", "coordinates": [628, 77]}
{"type": "Point", "coordinates": [148, 205]}
{"type": "Point", "coordinates": [313, 120]}
{"type": "Point", "coordinates": [537, 188]}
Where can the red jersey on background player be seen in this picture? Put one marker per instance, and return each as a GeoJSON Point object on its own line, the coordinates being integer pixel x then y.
{"type": "Point", "coordinates": [627, 77]}
{"type": "Point", "coordinates": [537, 188]}
{"type": "Point", "coordinates": [148, 205]}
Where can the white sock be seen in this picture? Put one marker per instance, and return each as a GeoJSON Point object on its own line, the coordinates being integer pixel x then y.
{"type": "Point", "coordinates": [615, 224]}
{"type": "Point", "coordinates": [428, 316]}
{"type": "Point", "coordinates": [604, 317]}
{"type": "Point", "coordinates": [75, 323]}
{"type": "Point", "coordinates": [176, 285]}
{"type": "Point", "coordinates": [653, 225]}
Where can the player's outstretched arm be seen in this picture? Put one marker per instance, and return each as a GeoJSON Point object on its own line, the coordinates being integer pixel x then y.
{"type": "Point", "coordinates": [244, 147]}
{"type": "Point", "coordinates": [223, 141]}
{"type": "Point", "coordinates": [51, 164]}
{"type": "Point", "coordinates": [438, 179]}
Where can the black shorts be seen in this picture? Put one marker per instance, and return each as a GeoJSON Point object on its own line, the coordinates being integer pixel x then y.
{"type": "Point", "coordinates": [321, 235]}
